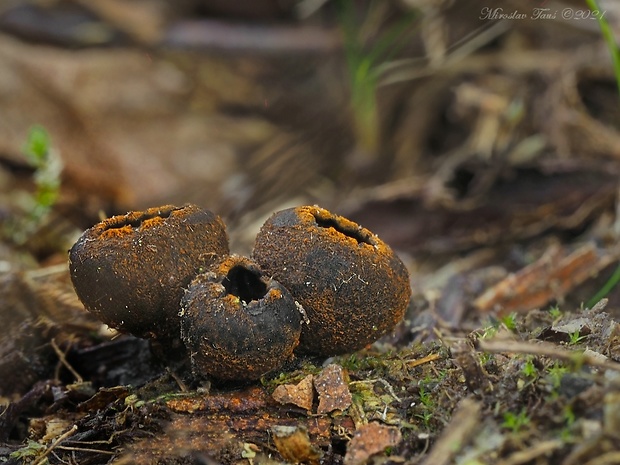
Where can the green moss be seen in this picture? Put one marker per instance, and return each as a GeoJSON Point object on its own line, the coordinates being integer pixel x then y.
{"type": "Point", "coordinates": [515, 422]}
{"type": "Point", "coordinates": [271, 382]}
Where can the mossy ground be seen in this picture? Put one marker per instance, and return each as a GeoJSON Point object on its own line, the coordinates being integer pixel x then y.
{"type": "Point", "coordinates": [519, 391]}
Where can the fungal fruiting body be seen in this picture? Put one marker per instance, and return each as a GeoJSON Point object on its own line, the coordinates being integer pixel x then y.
{"type": "Point", "coordinates": [352, 286]}
{"type": "Point", "coordinates": [237, 323]}
{"type": "Point", "coordinates": [166, 274]}
{"type": "Point", "coordinates": [130, 270]}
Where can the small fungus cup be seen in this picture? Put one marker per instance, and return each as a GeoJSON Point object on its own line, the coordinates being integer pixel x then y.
{"type": "Point", "coordinates": [237, 323]}
{"type": "Point", "coordinates": [130, 270]}
{"type": "Point", "coordinates": [352, 286]}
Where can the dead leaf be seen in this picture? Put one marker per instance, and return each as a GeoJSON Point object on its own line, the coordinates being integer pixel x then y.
{"type": "Point", "coordinates": [578, 325]}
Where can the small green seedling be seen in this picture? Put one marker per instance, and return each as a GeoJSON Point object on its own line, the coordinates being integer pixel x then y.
{"type": "Point", "coordinates": [529, 369]}
{"type": "Point", "coordinates": [556, 373]}
{"type": "Point", "coordinates": [426, 418]}
{"type": "Point", "coordinates": [36, 206]}
{"type": "Point", "coordinates": [31, 450]}
{"type": "Point", "coordinates": [566, 433]}
{"type": "Point", "coordinates": [516, 422]}
{"type": "Point", "coordinates": [48, 167]}
{"type": "Point", "coordinates": [575, 338]}
{"type": "Point", "coordinates": [510, 321]}
{"type": "Point", "coordinates": [555, 312]}
{"type": "Point", "coordinates": [425, 398]}
{"type": "Point", "coordinates": [488, 332]}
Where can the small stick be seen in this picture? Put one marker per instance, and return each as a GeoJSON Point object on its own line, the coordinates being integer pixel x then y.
{"type": "Point", "coordinates": [63, 360]}
{"type": "Point", "coordinates": [532, 452]}
{"type": "Point", "coordinates": [47, 271]}
{"type": "Point", "coordinates": [423, 360]}
{"type": "Point", "coordinates": [546, 349]}
{"type": "Point", "coordinates": [58, 440]}
{"type": "Point", "coordinates": [86, 449]}
{"type": "Point", "coordinates": [456, 435]}
{"type": "Point", "coordinates": [178, 380]}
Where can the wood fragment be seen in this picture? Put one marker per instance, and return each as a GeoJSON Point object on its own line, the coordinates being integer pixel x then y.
{"type": "Point", "coordinates": [551, 277]}
{"type": "Point", "coordinates": [250, 399]}
{"type": "Point", "coordinates": [294, 444]}
{"type": "Point", "coordinates": [509, 211]}
{"type": "Point", "coordinates": [423, 360]}
{"type": "Point", "coordinates": [608, 458]}
{"type": "Point", "coordinates": [475, 377]}
{"type": "Point", "coordinates": [457, 434]}
{"type": "Point", "coordinates": [56, 443]}
{"type": "Point", "coordinates": [300, 394]}
{"type": "Point", "coordinates": [546, 349]}
{"type": "Point", "coordinates": [332, 388]}
{"type": "Point", "coordinates": [369, 440]}
{"type": "Point", "coordinates": [531, 453]}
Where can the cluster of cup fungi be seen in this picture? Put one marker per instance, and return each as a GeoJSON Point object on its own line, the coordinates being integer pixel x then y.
{"type": "Point", "coordinates": [317, 284]}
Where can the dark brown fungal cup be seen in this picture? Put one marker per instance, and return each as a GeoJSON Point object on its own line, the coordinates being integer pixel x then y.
{"type": "Point", "coordinates": [352, 286]}
{"type": "Point", "coordinates": [130, 270]}
{"type": "Point", "coordinates": [237, 323]}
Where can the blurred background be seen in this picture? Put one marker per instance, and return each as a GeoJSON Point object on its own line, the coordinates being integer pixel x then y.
{"type": "Point", "coordinates": [479, 139]}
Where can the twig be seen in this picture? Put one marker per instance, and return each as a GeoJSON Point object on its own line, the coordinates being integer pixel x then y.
{"type": "Point", "coordinates": [63, 360]}
{"type": "Point", "coordinates": [608, 458]}
{"type": "Point", "coordinates": [423, 360]}
{"type": "Point", "coordinates": [458, 433]}
{"type": "Point", "coordinates": [178, 380]}
{"type": "Point", "coordinates": [47, 271]}
{"type": "Point", "coordinates": [546, 349]}
{"type": "Point", "coordinates": [58, 440]}
{"type": "Point", "coordinates": [532, 452]}
{"type": "Point", "coordinates": [86, 449]}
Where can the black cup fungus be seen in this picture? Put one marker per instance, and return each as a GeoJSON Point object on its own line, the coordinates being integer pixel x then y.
{"type": "Point", "coordinates": [237, 323]}
{"type": "Point", "coordinates": [130, 270]}
{"type": "Point", "coordinates": [352, 286]}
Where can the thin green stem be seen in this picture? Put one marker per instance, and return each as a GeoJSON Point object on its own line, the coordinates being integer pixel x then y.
{"type": "Point", "coordinates": [609, 39]}
{"type": "Point", "coordinates": [609, 285]}
{"type": "Point", "coordinates": [614, 50]}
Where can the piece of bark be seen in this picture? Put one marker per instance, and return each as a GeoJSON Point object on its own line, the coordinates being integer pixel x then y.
{"type": "Point", "coordinates": [220, 426]}
{"type": "Point", "coordinates": [250, 399]}
{"type": "Point", "coordinates": [549, 278]}
{"type": "Point", "coordinates": [300, 394]}
{"type": "Point", "coordinates": [333, 390]}
{"type": "Point", "coordinates": [294, 444]}
{"type": "Point", "coordinates": [369, 440]}
{"type": "Point", "coordinates": [475, 376]}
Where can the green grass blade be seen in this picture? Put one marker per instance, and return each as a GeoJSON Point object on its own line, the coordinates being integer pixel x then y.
{"type": "Point", "coordinates": [609, 39]}
{"type": "Point", "coordinates": [606, 289]}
